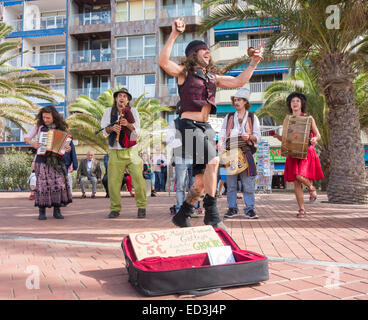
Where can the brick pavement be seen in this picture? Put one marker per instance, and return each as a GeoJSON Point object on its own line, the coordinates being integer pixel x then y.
{"type": "Point", "coordinates": [323, 256]}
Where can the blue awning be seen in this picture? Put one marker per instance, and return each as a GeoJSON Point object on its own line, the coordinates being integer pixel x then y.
{"type": "Point", "coordinates": [241, 30]}
{"type": "Point", "coordinates": [227, 108]}
{"type": "Point", "coordinates": [260, 71]}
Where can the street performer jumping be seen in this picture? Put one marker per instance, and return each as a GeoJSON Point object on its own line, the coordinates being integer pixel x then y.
{"type": "Point", "coordinates": [197, 84]}
{"type": "Point", "coordinates": [123, 152]}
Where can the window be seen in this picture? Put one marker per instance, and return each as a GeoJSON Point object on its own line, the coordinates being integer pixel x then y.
{"type": "Point", "coordinates": [122, 9]}
{"type": "Point", "coordinates": [171, 83]}
{"type": "Point", "coordinates": [55, 19]}
{"type": "Point", "coordinates": [181, 43]}
{"type": "Point", "coordinates": [149, 9]}
{"type": "Point", "coordinates": [149, 47]}
{"type": "Point", "coordinates": [10, 131]}
{"type": "Point", "coordinates": [135, 10]}
{"type": "Point", "coordinates": [138, 84]}
{"type": "Point", "coordinates": [50, 55]}
{"type": "Point", "coordinates": [135, 47]}
{"type": "Point", "coordinates": [121, 48]}
{"type": "Point", "coordinates": [120, 80]}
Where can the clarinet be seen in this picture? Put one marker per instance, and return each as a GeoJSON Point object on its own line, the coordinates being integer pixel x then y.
{"type": "Point", "coordinates": [118, 121]}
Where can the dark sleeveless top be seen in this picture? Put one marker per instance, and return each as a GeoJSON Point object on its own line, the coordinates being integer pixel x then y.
{"type": "Point", "coordinates": [198, 90]}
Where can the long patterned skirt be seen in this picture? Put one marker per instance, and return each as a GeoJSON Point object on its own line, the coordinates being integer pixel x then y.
{"type": "Point", "coordinates": [52, 187]}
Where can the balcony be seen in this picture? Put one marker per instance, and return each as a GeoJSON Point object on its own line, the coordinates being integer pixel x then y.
{"type": "Point", "coordinates": [97, 55]}
{"type": "Point", "coordinates": [98, 17]}
{"type": "Point", "coordinates": [48, 59]}
{"type": "Point", "coordinates": [228, 50]}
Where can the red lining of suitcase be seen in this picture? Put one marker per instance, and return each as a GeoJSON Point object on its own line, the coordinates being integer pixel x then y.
{"type": "Point", "coordinates": [189, 261]}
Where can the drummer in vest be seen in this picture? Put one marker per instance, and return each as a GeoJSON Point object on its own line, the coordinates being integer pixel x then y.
{"type": "Point", "coordinates": [197, 83]}
{"type": "Point", "coordinates": [123, 152]}
{"type": "Point", "coordinates": [244, 128]}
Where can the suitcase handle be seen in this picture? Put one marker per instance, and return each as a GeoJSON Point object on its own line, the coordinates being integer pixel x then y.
{"type": "Point", "coordinates": [200, 293]}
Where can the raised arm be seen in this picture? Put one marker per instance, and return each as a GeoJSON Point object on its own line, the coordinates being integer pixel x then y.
{"type": "Point", "coordinates": [164, 61]}
{"type": "Point", "coordinates": [243, 78]}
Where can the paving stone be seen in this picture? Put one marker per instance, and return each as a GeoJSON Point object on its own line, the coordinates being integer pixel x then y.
{"type": "Point", "coordinates": [78, 270]}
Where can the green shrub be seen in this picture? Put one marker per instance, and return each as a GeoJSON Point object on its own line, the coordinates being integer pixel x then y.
{"type": "Point", "coordinates": [15, 168]}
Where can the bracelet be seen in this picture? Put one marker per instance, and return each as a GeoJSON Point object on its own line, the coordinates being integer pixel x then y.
{"type": "Point", "coordinates": [253, 65]}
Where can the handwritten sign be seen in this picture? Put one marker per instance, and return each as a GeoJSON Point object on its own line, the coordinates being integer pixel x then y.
{"type": "Point", "coordinates": [174, 242]}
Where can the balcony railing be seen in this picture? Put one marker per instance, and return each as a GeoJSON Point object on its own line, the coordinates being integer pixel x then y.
{"type": "Point", "coordinates": [173, 11]}
{"type": "Point", "coordinates": [97, 55]}
{"type": "Point", "coordinates": [98, 17]}
{"type": "Point", "coordinates": [16, 61]}
{"type": "Point", "coordinates": [254, 86]}
{"type": "Point", "coordinates": [92, 93]}
{"type": "Point", "coordinates": [255, 43]}
{"type": "Point", "coordinates": [230, 43]}
{"type": "Point", "coordinates": [259, 86]}
{"type": "Point", "coordinates": [49, 59]}
{"type": "Point", "coordinates": [16, 24]}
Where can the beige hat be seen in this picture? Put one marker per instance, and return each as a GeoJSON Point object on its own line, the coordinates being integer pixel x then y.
{"type": "Point", "coordinates": [243, 92]}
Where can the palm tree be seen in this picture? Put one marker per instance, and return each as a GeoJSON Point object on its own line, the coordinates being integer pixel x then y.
{"type": "Point", "coordinates": [87, 113]}
{"type": "Point", "coordinates": [336, 54]}
{"type": "Point", "coordinates": [19, 85]}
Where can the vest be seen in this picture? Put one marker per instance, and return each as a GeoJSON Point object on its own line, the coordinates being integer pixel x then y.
{"type": "Point", "coordinates": [124, 137]}
{"type": "Point", "coordinates": [249, 149]}
{"type": "Point", "coordinates": [249, 128]}
{"type": "Point", "coordinates": [198, 90]}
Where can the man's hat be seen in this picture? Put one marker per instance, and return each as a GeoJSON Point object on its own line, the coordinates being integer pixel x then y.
{"type": "Point", "coordinates": [194, 46]}
{"type": "Point", "coordinates": [243, 92]}
{"type": "Point", "coordinates": [123, 90]}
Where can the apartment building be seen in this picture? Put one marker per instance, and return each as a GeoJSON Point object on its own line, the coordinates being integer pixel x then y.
{"type": "Point", "coordinates": [92, 45]}
{"type": "Point", "coordinates": [41, 28]}
{"type": "Point", "coordinates": [118, 42]}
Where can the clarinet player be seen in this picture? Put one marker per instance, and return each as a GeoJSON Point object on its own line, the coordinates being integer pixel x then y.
{"type": "Point", "coordinates": [123, 152]}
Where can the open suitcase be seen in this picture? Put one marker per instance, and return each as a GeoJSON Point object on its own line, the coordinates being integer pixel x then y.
{"type": "Point", "coordinates": [193, 274]}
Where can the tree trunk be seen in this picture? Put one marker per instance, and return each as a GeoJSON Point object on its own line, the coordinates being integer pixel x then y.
{"type": "Point", "coordinates": [324, 157]}
{"type": "Point", "coordinates": [347, 181]}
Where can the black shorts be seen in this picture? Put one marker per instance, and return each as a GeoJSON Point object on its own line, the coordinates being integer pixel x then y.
{"type": "Point", "coordinates": [198, 143]}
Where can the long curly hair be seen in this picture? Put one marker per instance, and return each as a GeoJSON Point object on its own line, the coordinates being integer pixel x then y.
{"type": "Point", "coordinates": [59, 121]}
{"type": "Point", "coordinates": [191, 62]}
